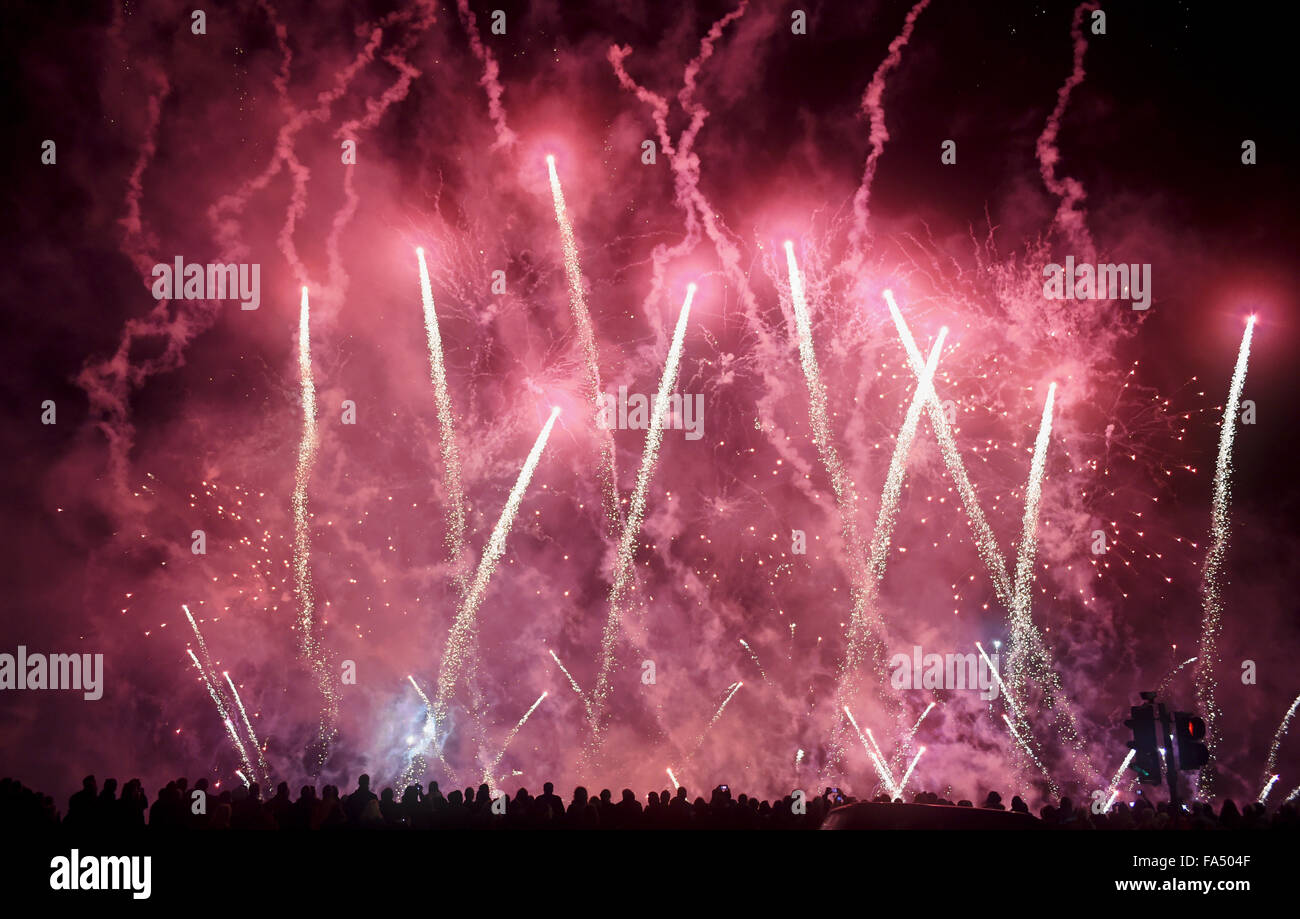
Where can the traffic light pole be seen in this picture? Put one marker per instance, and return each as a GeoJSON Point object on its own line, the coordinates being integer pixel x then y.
{"type": "Point", "coordinates": [1171, 764]}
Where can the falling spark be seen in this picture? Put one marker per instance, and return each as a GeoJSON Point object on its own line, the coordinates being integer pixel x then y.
{"type": "Point", "coordinates": [672, 778]}
{"type": "Point", "coordinates": [623, 575]}
{"type": "Point", "coordinates": [309, 641]}
{"type": "Point", "coordinates": [1211, 588]}
{"type": "Point", "coordinates": [608, 470]}
{"type": "Point", "coordinates": [243, 778]}
{"type": "Point", "coordinates": [455, 654]}
{"type": "Point", "coordinates": [248, 726]}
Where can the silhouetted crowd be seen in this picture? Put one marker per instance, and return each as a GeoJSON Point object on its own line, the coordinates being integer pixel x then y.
{"type": "Point", "coordinates": [178, 807]}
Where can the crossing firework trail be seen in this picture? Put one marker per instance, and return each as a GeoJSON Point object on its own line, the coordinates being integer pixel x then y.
{"type": "Point", "coordinates": [221, 710]}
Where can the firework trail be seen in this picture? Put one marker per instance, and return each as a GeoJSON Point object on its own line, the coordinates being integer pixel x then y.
{"type": "Point", "coordinates": [1278, 737]}
{"type": "Point", "coordinates": [1119, 774]}
{"type": "Point", "coordinates": [221, 710]}
{"type": "Point", "coordinates": [1168, 677]}
{"type": "Point", "coordinates": [1295, 793]}
{"type": "Point", "coordinates": [623, 575]}
{"type": "Point", "coordinates": [902, 785]}
{"type": "Point", "coordinates": [1024, 636]}
{"type": "Point", "coordinates": [744, 644]}
{"type": "Point", "coordinates": [608, 469]}
{"type": "Point", "coordinates": [986, 543]}
{"type": "Point", "coordinates": [569, 676]}
{"type": "Point", "coordinates": [248, 726]}
{"type": "Point", "coordinates": [203, 645]}
{"type": "Point", "coordinates": [734, 688]}
{"type": "Point", "coordinates": [867, 567]}
{"type": "Point", "coordinates": [1070, 218]}
{"type": "Point", "coordinates": [886, 777]}
{"type": "Point", "coordinates": [1264, 792]}
{"type": "Point", "coordinates": [243, 778]}
{"type": "Point", "coordinates": [875, 112]}
{"type": "Point", "coordinates": [446, 426]}
{"type": "Point", "coordinates": [505, 745]}
{"type": "Point", "coordinates": [1029, 751]}
{"type": "Point", "coordinates": [310, 643]}
{"type": "Point", "coordinates": [1006, 693]}
{"type": "Point", "coordinates": [672, 778]}
{"type": "Point", "coordinates": [455, 655]}
{"type": "Point", "coordinates": [916, 727]}
{"type": "Point", "coordinates": [491, 79]}
{"type": "Point", "coordinates": [1211, 588]}
{"type": "Point", "coordinates": [428, 738]}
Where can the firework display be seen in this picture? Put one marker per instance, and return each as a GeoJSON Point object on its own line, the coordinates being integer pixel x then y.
{"type": "Point", "coordinates": [442, 363]}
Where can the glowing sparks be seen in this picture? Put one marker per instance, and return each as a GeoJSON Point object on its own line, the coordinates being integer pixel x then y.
{"type": "Point", "coordinates": [248, 726]}
{"type": "Point", "coordinates": [1263, 795]}
{"type": "Point", "coordinates": [902, 785]}
{"type": "Point", "coordinates": [873, 751]}
{"type": "Point", "coordinates": [505, 744]}
{"type": "Point", "coordinates": [1278, 736]}
{"type": "Point", "coordinates": [1119, 774]}
{"type": "Point", "coordinates": [672, 778]}
{"type": "Point", "coordinates": [569, 676]}
{"type": "Point", "coordinates": [310, 642]}
{"type": "Point", "coordinates": [455, 655]}
{"type": "Point", "coordinates": [732, 690]}
{"type": "Point", "coordinates": [455, 509]}
{"type": "Point", "coordinates": [623, 574]}
{"type": "Point", "coordinates": [221, 710]}
{"type": "Point", "coordinates": [986, 542]}
{"type": "Point", "coordinates": [1211, 586]}
{"type": "Point", "coordinates": [744, 644]}
{"type": "Point", "coordinates": [608, 471]}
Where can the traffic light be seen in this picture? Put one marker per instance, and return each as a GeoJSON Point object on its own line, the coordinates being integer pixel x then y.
{"type": "Point", "coordinates": [1146, 758]}
{"type": "Point", "coordinates": [1190, 731]}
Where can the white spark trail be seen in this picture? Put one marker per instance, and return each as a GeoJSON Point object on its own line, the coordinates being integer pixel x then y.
{"type": "Point", "coordinates": [505, 745]}
{"type": "Point", "coordinates": [462, 631]}
{"type": "Point", "coordinates": [902, 785]}
{"type": "Point", "coordinates": [1279, 735]}
{"type": "Point", "coordinates": [248, 726]}
{"type": "Point", "coordinates": [1263, 795]}
{"type": "Point", "coordinates": [866, 631]}
{"type": "Point", "coordinates": [221, 710]}
{"type": "Point", "coordinates": [1211, 588]}
{"type": "Point", "coordinates": [309, 641]}
{"type": "Point", "coordinates": [624, 574]}
{"type": "Point", "coordinates": [455, 510]}
{"type": "Point", "coordinates": [608, 470]}
{"type": "Point", "coordinates": [986, 543]}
